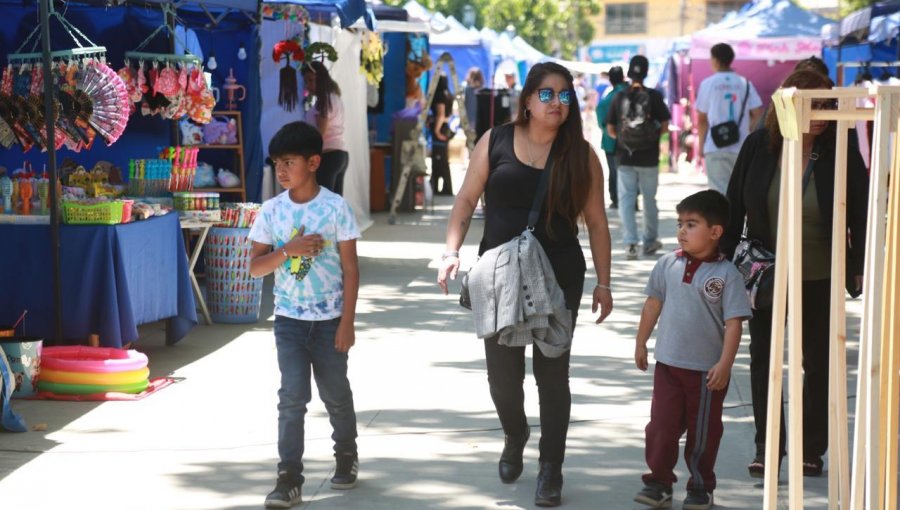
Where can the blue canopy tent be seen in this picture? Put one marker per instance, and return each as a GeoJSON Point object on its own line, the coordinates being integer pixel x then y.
{"type": "Point", "coordinates": [866, 36]}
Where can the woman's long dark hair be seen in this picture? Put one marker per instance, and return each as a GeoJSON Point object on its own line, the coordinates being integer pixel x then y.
{"type": "Point", "coordinates": [325, 86]}
{"type": "Point", "coordinates": [802, 79]}
{"type": "Point", "coordinates": [570, 175]}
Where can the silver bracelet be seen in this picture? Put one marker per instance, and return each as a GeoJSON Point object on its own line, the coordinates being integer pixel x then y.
{"type": "Point", "coordinates": [601, 286]}
{"type": "Point", "coordinates": [450, 253]}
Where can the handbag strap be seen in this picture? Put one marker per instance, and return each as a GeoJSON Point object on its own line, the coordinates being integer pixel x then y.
{"type": "Point", "coordinates": [541, 192]}
{"type": "Point", "coordinates": [807, 175]}
{"type": "Point", "coordinates": [744, 103]}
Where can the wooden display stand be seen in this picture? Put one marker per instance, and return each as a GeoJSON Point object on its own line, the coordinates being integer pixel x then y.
{"type": "Point", "coordinates": [878, 394]}
{"type": "Point", "coordinates": [238, 193]}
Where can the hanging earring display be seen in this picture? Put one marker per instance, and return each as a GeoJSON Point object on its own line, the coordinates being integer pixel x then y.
{"type": "Point", "coordinates": [171, 86]}
{"type": "Point", "coordinates": [89, 98]}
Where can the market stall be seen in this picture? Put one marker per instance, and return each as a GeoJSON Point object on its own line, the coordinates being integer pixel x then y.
{"type": "Point", "coordinates": [114, 278]}
{"type": "Point", "coordinates": [115, 89]}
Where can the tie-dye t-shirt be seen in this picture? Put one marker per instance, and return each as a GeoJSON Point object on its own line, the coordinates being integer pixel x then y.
{"type": "Point", "coordinates": [307, 288]}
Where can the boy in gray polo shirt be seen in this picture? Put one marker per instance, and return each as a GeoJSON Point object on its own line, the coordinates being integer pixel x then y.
{"type": "Point", "coordinates": [699, 299]}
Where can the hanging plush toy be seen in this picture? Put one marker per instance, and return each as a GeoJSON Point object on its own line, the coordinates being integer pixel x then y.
{"type": "Point", "coordinates": [288, 95]}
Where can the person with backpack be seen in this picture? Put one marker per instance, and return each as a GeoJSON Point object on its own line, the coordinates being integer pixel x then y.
{"type": "Point", "coordinates": [637, 118]}
{"type": "Point", "coordinates": [727, 105]}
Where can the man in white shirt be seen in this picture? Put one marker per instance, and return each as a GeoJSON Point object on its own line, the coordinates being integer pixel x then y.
{"type": "Point", "coordinates": [725, 96]}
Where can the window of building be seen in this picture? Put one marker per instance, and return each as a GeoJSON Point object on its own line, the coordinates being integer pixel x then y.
{"type": "Point", "coordinates": [626, 18]}
{"type": "Point", "coordinates": [717, 9]}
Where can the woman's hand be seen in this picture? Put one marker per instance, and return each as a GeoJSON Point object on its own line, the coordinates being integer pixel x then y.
{"type": "Point", "coordinates": [437, 133]}
{"type": "Point", "coordinates": [449, 267]}
{"type": "Point", "coordinates": [603, 298]}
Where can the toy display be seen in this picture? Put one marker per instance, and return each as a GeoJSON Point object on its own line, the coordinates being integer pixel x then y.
{"type": "Point", "coordinates": [240, 215]}
{"type": "Point", "coordinates": [193, 204]}
{"type": "Point", "coordinates": [228, 179]}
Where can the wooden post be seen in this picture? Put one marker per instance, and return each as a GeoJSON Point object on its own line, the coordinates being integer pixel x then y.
{"type": "Point", "coordinates": [838, 448]}
{"type": "Point", "coordinates": [793, 200]}
{"type": "Point", "coordinates": [892, 327]}
{"type": "Point", "coordinates": [867, 475]}
{"type": "Point", "coordinates": [776, 357]}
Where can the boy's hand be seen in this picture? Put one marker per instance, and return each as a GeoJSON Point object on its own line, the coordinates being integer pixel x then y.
{"type": "Point", "coordinates": [718, 376]}
{"type": "Point", "coordinates": [305, 245]}
{"type": "Point", "coordinates": [640, 356]}
{"type": "Point", "coordinates": [345, 337]}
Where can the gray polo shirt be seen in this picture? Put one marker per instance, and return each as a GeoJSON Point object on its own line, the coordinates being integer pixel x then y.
{"type": "Point", "coordinates": [698, 297]}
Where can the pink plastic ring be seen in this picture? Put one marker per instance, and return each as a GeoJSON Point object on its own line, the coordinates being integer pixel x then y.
{"type": "Point", "coordinates": [101, 360]}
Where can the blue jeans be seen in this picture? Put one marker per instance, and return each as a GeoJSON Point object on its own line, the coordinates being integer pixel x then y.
{"type": "Point", "coordinates": [304, 347]}
{"type": "Point", "coordinates": [631, 179]}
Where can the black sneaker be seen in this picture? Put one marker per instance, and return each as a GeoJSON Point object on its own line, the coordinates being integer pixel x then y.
{"type": "Point", "coordinates": [286, 493]}
{"type": "Point", "coordinates": [631, 252]}
{"type": "Point", "coordinates": [698, 499]}
{"type": "Point", "coordinates": [655, 495]}
{"type": "Point", "coordinates": [346, 469]}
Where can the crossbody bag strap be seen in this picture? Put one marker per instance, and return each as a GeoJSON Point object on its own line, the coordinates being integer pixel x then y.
{"type": "Point", "coordinates": [813, 157]}
{"type": "Point", "coordinates": [744, 103]}
{"type": "Point", "coordinates": [807, 176]}
{"type": "Point", "coordinates": [541, 192]}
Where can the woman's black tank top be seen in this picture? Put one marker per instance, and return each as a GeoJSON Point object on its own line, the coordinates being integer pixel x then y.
{"type": "Point", "coordinates": [508, 195]}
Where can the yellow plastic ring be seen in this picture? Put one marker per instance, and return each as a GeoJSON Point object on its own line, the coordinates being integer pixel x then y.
{"type": "Point", "coordinates": [112, 378]}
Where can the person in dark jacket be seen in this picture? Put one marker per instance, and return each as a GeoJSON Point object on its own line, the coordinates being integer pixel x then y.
{"type": "Point", "coordinates": [753, 192]}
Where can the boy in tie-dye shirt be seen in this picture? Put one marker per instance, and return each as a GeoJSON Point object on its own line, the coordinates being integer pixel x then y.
{"type": "Point", "coordinates": [307, 237]}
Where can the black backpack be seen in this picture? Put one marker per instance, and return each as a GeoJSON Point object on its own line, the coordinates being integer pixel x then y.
{"type": "Point", "coordinates": [637, 130]}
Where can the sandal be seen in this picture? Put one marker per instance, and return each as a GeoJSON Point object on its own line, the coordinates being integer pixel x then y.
{"type": "Point", "coordinates": [813, 466]}
{"type": "Point", "coordinates": [757, 468]}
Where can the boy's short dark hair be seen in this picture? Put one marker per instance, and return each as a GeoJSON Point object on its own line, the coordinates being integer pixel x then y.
{"type": "Point", "coordinates": [722, 52]}
{"type": "Point", "coordinates": [710, 204]}
{"type": "Point", "coordinates": [296, 138]}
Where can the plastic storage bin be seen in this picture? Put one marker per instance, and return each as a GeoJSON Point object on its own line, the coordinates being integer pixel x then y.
{"type": "Point", "coordinates": [232, 295]}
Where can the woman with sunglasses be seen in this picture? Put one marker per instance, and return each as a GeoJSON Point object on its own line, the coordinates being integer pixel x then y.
{"type": "Point", "coordinates": [753, 193]}
{"type": "Point", "coordinates": [506, 166]}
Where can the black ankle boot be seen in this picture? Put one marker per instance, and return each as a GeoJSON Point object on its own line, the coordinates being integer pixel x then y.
{"type": "Point", "coordinates": [510, 466]}
{"type": "Point", "coordinates": [549, 485]}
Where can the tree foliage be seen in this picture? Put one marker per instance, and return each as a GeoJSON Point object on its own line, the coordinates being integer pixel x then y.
{"type": "Point", "coordinates": [848, 6]}
{"type": "Point", "coordinates": [555, 27]}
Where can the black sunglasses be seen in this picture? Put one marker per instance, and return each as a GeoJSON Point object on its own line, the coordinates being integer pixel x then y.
{"type": "Point", "coordinates": [546, 95]}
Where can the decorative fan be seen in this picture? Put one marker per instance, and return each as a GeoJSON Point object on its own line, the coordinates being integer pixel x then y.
{"type": "Point", "coordinates": [109, 100]}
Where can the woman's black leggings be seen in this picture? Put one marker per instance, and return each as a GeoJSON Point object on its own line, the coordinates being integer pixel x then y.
{"type": "Point", "coordinates": [816, 303]}
{"type": "Point", "coordinates": [440, 168]}
{"type": "Point", "coordinates": [331, 171]}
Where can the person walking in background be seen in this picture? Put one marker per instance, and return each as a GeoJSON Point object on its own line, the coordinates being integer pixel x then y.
{"type": "Point", "coordinates": [474, 83]}
{"type": "Point", "coordinates": [754, 192]}
{"type": "Point", "coordinates": [439, 125]}
{"type": "Point", "coordinates": [307, 236]}
{"type": "Point", "coordinates": [617, 82]}
{"type": "Point", "coordinates": [637, 118]}
{"type": "Point", "coordinates": [726, 101]}
{"type": "Point", "coordinates": [508, 165]}
{"type": "Point", "coordinates": [326, 113]}
{"type": "Point", "coordinates": [699, 299]}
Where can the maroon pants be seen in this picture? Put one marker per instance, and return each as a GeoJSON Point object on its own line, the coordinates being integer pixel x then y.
{"type": "Point", "coordinates": [682, 402]}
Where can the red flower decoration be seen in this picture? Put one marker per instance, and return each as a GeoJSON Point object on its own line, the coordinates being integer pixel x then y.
{"type": "Point", "coordinates": [289, 47]}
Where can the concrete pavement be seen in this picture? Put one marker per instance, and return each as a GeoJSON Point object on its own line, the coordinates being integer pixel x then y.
{"type": "Point", "coordinates": [429, 436]}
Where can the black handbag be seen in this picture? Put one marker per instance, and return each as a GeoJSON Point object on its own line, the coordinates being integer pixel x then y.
{"type": "Point", "coordinates": [465, 300]}
{"type": "Point", "coordinates": [757, 264]}
{"type": "Point", "coordinates": [729, 132]}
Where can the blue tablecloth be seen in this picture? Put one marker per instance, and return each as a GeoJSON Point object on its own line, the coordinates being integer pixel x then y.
{"type": "Point", "coordinates": [113, 279]}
